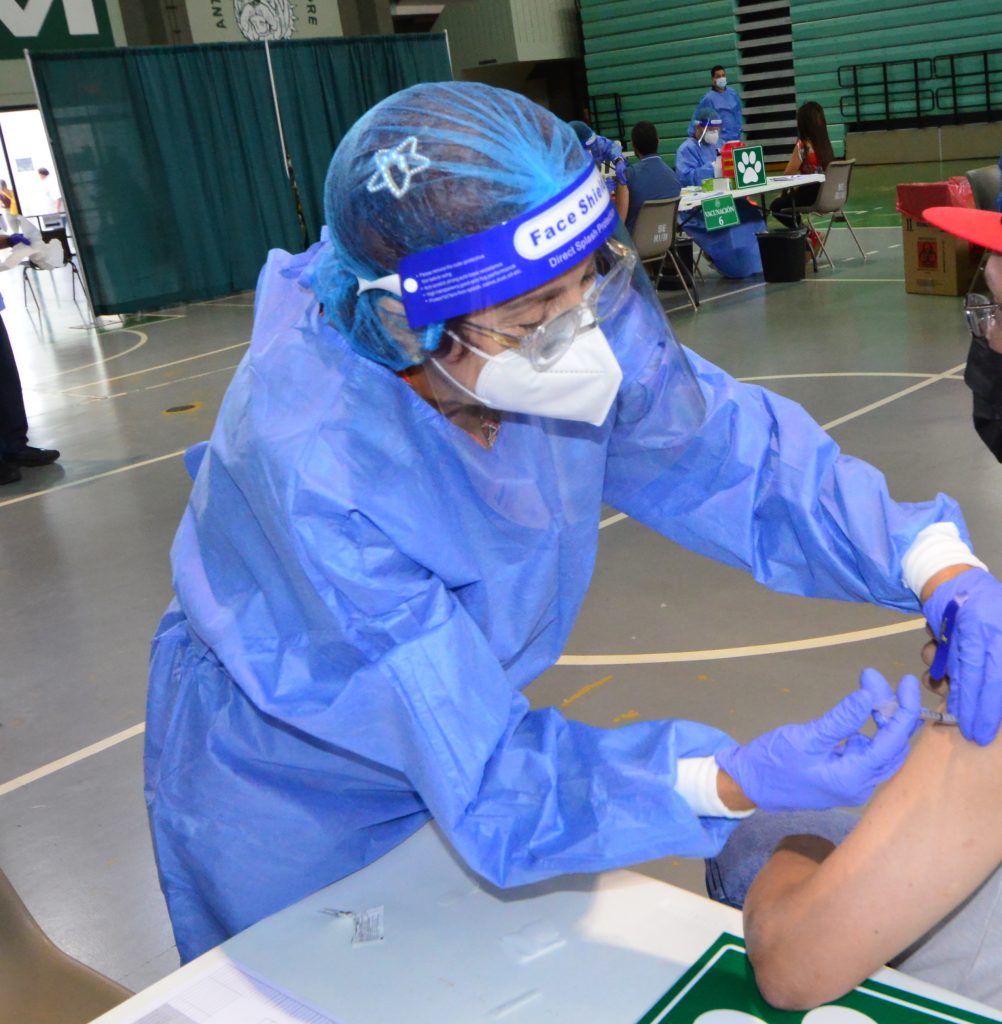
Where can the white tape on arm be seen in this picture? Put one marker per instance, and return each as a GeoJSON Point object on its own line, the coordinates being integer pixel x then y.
{"type": "Point", "coordinates": [696, 783]}
{"type": "Point", "coordinates": [935, 548]}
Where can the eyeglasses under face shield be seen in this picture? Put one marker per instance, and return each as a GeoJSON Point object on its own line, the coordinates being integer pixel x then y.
{"type": "Point", "coordinates": [607, 287]}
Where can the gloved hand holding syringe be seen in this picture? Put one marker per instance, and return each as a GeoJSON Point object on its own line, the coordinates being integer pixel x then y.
{"type": "Point", "coordinates": [937, 671]}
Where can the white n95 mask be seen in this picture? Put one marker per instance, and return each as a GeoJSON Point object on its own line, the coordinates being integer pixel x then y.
{"type": "Point", "coordinates": [581, 385]}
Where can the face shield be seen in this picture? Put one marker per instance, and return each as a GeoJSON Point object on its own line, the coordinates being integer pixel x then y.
{"type": "Point", "coordinates": [533, 313]}
{"type": "Point", "coordinates": [708, 130]}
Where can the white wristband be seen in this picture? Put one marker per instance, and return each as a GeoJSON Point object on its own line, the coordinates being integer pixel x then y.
{"type": "Point", "coordinates": [696, 783]}
{"type": "Point", "coordinates": [935, 548]}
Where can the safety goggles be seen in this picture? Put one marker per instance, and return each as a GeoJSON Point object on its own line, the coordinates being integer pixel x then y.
{"type": "Point", "coordinates": [982, 315]}
{"type": "Point", "coordinates": [545, 344]}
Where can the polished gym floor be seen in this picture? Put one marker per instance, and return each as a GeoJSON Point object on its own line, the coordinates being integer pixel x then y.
{"type": "Point", "coordinates": [664, 632]}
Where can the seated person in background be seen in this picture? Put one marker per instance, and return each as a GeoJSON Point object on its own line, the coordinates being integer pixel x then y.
{"type": "Point", "coordinates": [607, 151]}
{"type": "Point", "coordinates": [917, 881]}
{"type": "Point", "coordinates": [812, 153]}
{"type": "Point", "coordinates": [650, 177]}
{"type": "Point", "coordinates": [734, 251]}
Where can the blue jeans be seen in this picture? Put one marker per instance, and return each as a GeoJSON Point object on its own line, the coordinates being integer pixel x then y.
{"type": "Point", "coordinates": [732, 871]}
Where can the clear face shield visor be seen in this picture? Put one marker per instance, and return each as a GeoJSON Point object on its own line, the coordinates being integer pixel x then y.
{"type": "Point", "coordinates": [534, 313]}
{"type": "Point", "coordinates": [603, 282]}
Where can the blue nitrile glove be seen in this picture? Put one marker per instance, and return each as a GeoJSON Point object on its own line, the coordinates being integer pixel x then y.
{"type": "Point", "coordinates": [827, 762]}
{"type": "Point", "coordinates": [974, 663]}
{"type": "Point", "coordinates": [18, 239]}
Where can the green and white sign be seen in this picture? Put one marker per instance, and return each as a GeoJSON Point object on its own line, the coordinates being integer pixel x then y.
{"type": "Point", "coordinates": [52, 25]}
{"type": "Point", "coordinates": [720, 989]}
{"type": "Point", "coordinates": [749, 167]}
{"type": "Point", "coordinates": [719, 212]}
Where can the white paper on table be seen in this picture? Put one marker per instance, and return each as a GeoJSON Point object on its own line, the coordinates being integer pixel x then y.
{"type": "Point", "coordinates": [224, 994]}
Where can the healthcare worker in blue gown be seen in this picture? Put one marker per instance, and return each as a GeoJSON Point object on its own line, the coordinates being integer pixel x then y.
{"type": "Point", "coordinates": [734, 250]}
{"type": "Point", "coordinates": [394, 524]}
{"type": "Point", "coordinates": [726, 103]}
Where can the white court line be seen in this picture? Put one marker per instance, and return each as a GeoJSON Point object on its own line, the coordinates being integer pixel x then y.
{"type": "Point", "coordinates": [871, 252]}
{"type": "Point", "coordinates": [856, 280]}
{"type": "Point", "coordinates": [181, 380]}
{"type": "Point", "coordinates": [91, 479]}
{"type": "Point", "coordinates": [897, 245]}
{"type": "Point", "coordinates": [846, 373]}
{"type": "Point", "coordinates": [162, 366]}
{"type": "Point", "coordinates": [79, 755]}
{"type": "Point", "coordinates": [723, 653]}
{"type": "Point", "coordinates": [723, 295]}
{"type": "Point", "coordinates": [143, 338]}
{"type": "Point", "coordinates": [892, 398]}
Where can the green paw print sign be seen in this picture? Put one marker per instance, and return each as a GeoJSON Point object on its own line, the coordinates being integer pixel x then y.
{"type": "Point", "coordinates": [749, 167]}
{"type": "Point", "coordinates": [720, 989]}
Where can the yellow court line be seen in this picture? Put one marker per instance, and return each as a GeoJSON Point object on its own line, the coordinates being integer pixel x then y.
{"type": "Point", "coordinates": [79, 755]}
{"type": "Point", "coordinates": [578, 694]}
{"type": "Point", "coordinates": [724, 653]}
{"type": "Point", "coordinates": [162, 366]}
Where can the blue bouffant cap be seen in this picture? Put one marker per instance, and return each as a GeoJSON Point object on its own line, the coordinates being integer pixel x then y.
{"type": "Point", "coordinates": [426, 166]}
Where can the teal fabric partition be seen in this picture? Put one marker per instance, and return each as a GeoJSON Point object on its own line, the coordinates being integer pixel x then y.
{"type": "Point", "coordinates": [171, 159]}
{"type": "Point", "coordinates": [324, 86]}
{"type": "Point", "coordinates": [171, 167]}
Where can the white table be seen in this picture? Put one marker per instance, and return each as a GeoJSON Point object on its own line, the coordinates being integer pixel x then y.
{"type": "Point", "coordinates": [690, 200]}
{"type": "Point", "coordinates": [578, 950]}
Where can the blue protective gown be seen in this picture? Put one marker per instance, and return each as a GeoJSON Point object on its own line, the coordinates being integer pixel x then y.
{"type": "Point", "coordinates": [362, 594]}
{"type": "Point", "coordinates": [727, 104]}
{"type": "Point", "coordinates": [734, 251]}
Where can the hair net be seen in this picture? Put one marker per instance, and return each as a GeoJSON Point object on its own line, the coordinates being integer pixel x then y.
{"type": "Point", "coordinates": [703, 117]}
{"type": "Point", "coordinates": [428, 165]}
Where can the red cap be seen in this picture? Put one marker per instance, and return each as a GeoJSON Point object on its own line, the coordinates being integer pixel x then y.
{"type": "Point", "coordinates": [982, 227]}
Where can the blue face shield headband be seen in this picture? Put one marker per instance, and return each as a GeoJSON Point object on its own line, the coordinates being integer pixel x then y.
{"type": "Point", "coordinates": [505, 261]}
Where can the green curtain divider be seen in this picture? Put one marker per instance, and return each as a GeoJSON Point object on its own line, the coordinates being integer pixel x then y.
{"type": "Point", "coordinates": [172, 169]}
{"type": "Point", "coordinates": [324, 86]}
{"type": "Point", "coordinates": [171, 161]}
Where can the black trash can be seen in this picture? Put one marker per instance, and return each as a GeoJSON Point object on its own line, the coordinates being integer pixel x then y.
{"type": "Point", "coordinates": [783, 254]}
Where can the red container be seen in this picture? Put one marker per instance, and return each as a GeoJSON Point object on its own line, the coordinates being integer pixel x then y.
{"type": "Point", "coordinates": [916, 198]}
{"type": "Point", "coordinates": [727, 158]}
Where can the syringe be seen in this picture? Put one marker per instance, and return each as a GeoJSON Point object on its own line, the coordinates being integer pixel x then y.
{"type": "Point", "coordinates": [888, 708]}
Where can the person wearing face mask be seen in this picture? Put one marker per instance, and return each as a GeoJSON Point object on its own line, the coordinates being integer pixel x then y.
{"type": "Point", "coordinates": [395, 520]}
{"type": "Point", "coordinates": [734, 251]}
{"type": "Point", "coordinates": [829, 898]}
{"type": "Point", "coordinates": [726, 103]}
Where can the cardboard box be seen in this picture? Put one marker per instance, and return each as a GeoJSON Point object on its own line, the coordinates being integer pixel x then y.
{"type": "Point", "coordinates": [936, 263]}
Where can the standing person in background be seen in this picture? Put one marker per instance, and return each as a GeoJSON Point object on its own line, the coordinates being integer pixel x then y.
{"type": "Point", "coordinates": [812, 153]}
{"type": "Point", "coordinates": [10, 208]}
{"type": "Point", "coordinates": [52, 215]}
{"type": "Point", "coordinates": [650, 177]}
{"type": "Point", "coordinates": [726, 102]}
{"type": "Point", "coordinates": [15, 452]}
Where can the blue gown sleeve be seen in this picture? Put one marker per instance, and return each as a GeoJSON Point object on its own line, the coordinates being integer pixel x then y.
{"type": "Point", "coordinates": [690, 167]}
{"type": "Point", "coordinates": [760, 486]}
{"type": "Point", "coordinates": [394, 670]}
